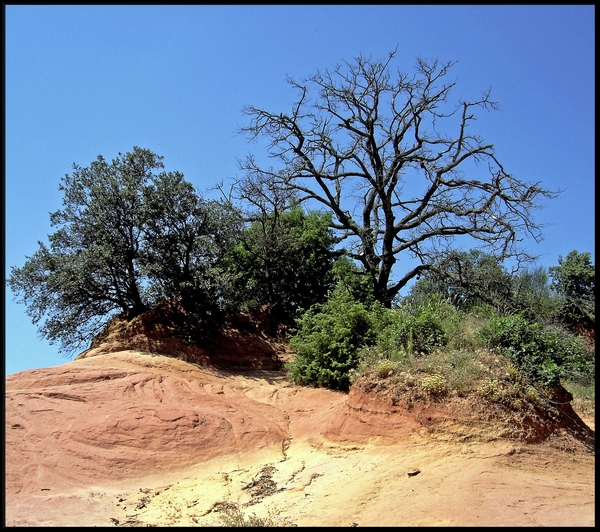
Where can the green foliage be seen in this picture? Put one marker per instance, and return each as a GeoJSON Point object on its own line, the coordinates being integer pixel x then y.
{"type": "Point", "coordinates": [345, 272]}
{"type": "Point", "coordinates": [434, 385]}
{"type": "Point", "coordinates": [328, 339]}
{"type": "Point", "coordinates": [532, 295]}
{"type": "Point", "coordinates": [475, 280]}
{"type": "Point", "coordinates": [574, 279]}
{"type": "Point", "coordinates": [543, 354]}
{"type": "Point", "coordinates": [66, 292]}
{"type": "Point", "coordinates": [282, 262]}
{"type": "Point", "coordinates": [127, 237]}
{"type": "Point", "coordinates": [419, 329]}
{"type": "Point", "coordinates": [185, 241]}
{"type": "Point", "coordinates": [466, 280]}
{"type": "Point", "coordinates": [332, 338]}
{"type": "Point", "coordinates": [90, 268]}
{"type": "Point", "coordinates": [462, 348]}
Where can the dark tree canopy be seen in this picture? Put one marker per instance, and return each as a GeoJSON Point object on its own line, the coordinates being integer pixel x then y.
{"type": "Point", "coordinates": [574, 279]}
{"type": "Point", "coordinates": [127, 237]}
{"type": "Point", "coordinates": [284, 256]}
{"type": "Point", "coordinates": [466, 280]}
{"type": "Point", "coordinates": [398, 166]}
{"type": "Point", "coordinates": [282, 262]}
{"type": "Point", "coordinates": [186, 240]}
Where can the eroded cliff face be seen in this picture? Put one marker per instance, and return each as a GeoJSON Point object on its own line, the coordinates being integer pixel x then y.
{"type": "Point", "coordinates": [145, 428]}
{"type": "Point", "coordinates": [135, 439]}
{"type": "Point", "coordinates": [241, 344]}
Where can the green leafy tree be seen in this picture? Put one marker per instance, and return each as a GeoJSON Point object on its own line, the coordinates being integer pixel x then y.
{"type": "Point", "coordinates": [347, 274]}
{"type": "Point", "coordinates": [574, 279]}
{"type": "Point", "coordinates": [471, 279]}
{"type": "Point", "coordinates": [118, 222]}
{"type": "Point", "coordinates": [282, 262]}
{"type": "Point", "coordinates": [532, 295]}
{"type": "Point", "coordinates": [398, 166]}
{"type": "Point", "coordinates": [466, 280]}
{"type": "Point", "coordinates": [186, 239]}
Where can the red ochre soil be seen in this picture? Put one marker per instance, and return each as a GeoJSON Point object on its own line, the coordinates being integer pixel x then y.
{"type": "Point", "coordinates": [125, 437]}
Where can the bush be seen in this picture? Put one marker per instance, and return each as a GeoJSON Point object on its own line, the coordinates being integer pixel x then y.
{"type": "Point", "coordinates": [543, 354]}
{"type": "Point", "coordinates": [410, 334]}
{"type": "Point", "coordinates": [422, 330]}
{"type": "Point", "coordinates": [327, 341]}
{"type": "Point", "coordinates": [434, 385]}
{"type": "Point", "coordinates": [282, 263]}
{"type": "Point", "coordinates": [385, 368]}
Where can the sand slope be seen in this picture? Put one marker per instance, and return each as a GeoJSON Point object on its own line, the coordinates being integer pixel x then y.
{"type": "Point", "coordinates": [133, 439]}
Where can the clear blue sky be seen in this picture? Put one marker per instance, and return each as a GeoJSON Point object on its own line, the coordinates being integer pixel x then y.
{"type": "Point", "coordinates": [88, 80]}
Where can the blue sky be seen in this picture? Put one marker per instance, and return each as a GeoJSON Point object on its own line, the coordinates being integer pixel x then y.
{"type": "Point", "coordinates": [88, 80]}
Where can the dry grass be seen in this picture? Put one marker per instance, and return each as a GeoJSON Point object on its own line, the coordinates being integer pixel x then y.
{"type": "Point", "coordinates": [474, 386]}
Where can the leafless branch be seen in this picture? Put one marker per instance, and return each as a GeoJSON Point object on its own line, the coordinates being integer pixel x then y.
{"type": "Point", "coordinates": [377, 152]}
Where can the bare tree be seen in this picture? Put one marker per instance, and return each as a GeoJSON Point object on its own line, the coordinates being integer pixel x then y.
{"type": "Point", "coordinates": [370, 148]}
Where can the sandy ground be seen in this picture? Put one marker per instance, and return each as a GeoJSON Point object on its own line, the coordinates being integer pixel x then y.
{"type": "Point", "coordinates": [128, 439]}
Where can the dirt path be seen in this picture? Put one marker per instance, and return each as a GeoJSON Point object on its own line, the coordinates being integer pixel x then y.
{"type": "Point", "coordinates": [135, 440]}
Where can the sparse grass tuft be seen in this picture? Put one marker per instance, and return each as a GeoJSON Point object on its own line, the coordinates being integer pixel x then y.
{"type": "Point", "coordinates": [232, 516]}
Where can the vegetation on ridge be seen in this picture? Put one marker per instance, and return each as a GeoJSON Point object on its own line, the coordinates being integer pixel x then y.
{"type": "Point", "coordinates": [370, 183]}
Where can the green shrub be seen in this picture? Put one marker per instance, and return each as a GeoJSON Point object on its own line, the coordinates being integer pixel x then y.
{"type": "Point", "coordinates": [434, 385]}
{"type": "Point", "coordinates": [542, 353]}
{"type": "Point", "coordinates": [282, 262]}
{"type": "Point", "coordinates": [327, 341]}
{"type": "Point", "coordinates": [574, 279]}
{"type": "Point", "coordinates": [411, 334]}
{"type": "Point", "coordinates": [386, 368]}
{"type": "Point", "coordinates": [420, 330]}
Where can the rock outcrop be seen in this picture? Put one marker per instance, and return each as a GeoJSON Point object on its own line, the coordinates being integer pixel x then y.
{"type": "Point", "coordinates": [146, 428]}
